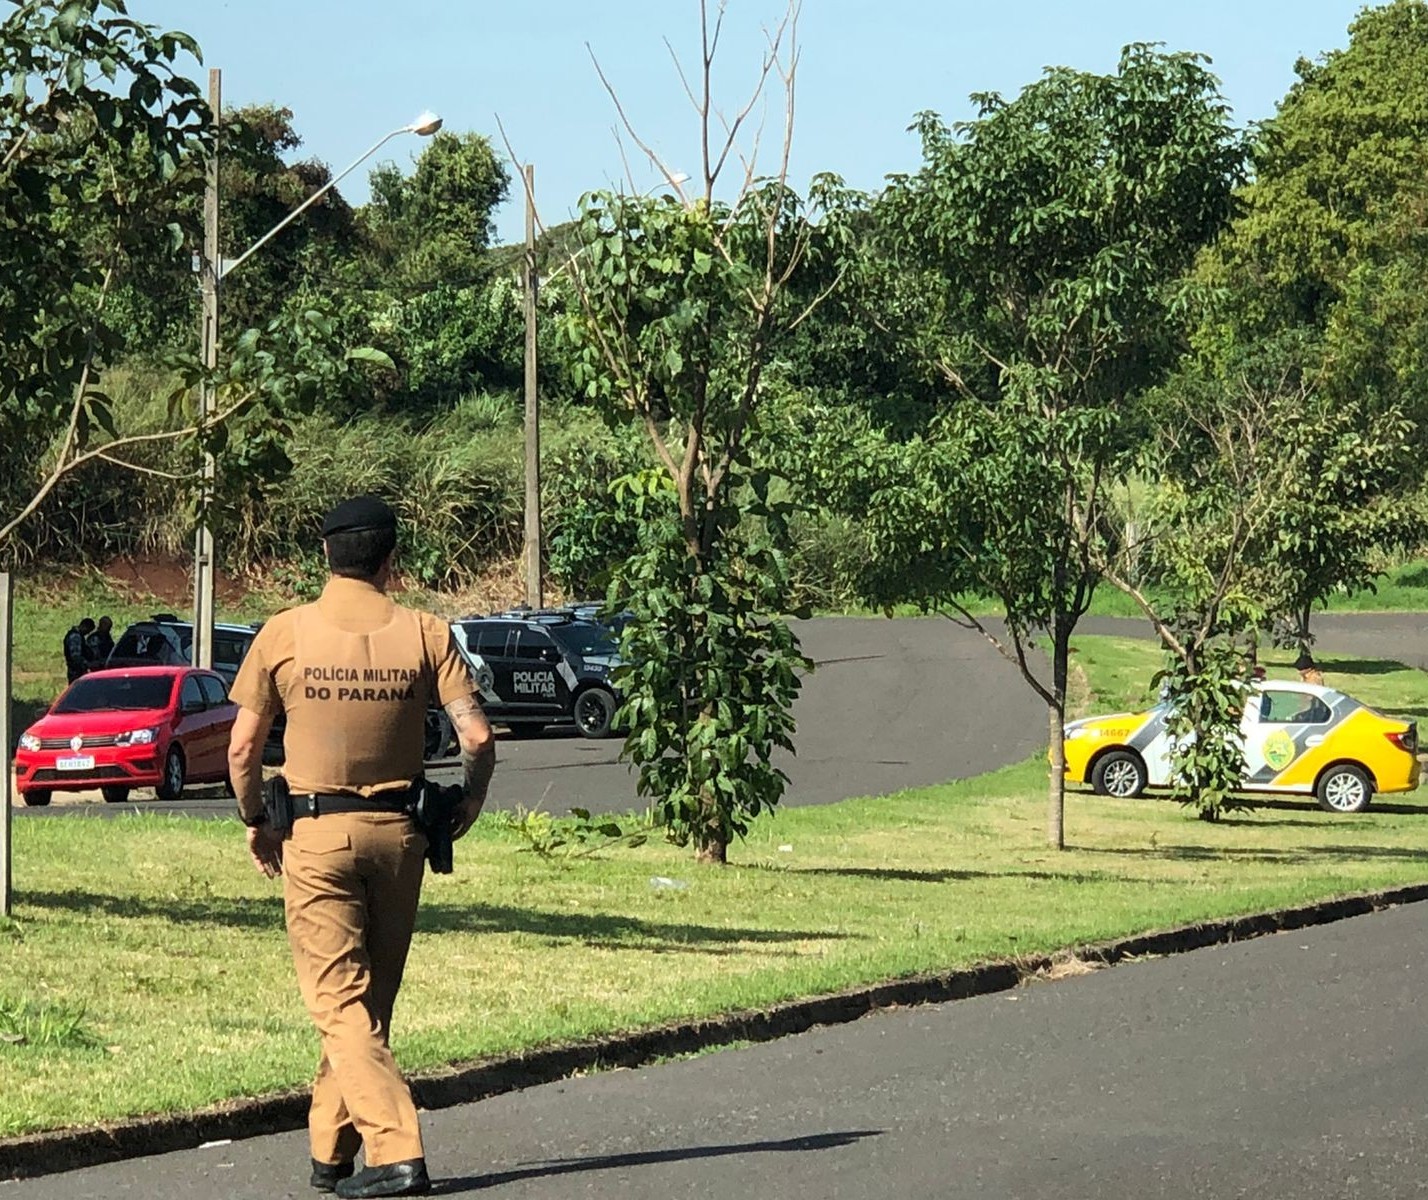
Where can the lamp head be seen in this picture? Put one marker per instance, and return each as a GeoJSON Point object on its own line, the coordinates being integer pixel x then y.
{"type": "Point", "coordinates": [678, 178]}
{"type": "Point", "coordinates": [425, 125]}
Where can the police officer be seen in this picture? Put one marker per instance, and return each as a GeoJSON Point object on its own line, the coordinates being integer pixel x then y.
{"type": "Point", "coordinates": [354, 673]}
{"type": "Point", "coordinates": [99, 645]}
{"type": "Point", "coordinates": [76, 649]}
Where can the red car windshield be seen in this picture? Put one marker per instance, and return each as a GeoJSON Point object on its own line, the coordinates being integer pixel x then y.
{"type": "Point", "coordinates": [117, 692]}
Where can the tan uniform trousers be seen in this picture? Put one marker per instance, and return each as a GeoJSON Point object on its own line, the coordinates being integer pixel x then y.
{"type": "Point", "coordinates": [351, 885]}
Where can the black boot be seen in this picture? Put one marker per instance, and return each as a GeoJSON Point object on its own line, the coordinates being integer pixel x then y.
{"type": "Point", "coordinates": [395, 1179]}
{"type": "Point", "coordinates": [325, 1175]}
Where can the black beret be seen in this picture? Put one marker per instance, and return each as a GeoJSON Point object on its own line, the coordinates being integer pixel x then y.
{"type": "Point", "coordinates": [359, 513]}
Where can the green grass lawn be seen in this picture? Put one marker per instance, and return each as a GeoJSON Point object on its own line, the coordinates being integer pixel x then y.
{"type": "Point", "coordinates": [173, 946]}
{"type": "Point", "coordinates": [1120, 670]}
{"type": "Point", "coordinates": [45, 609]}
{"type": "Point", "coordinates": [1403, 588]}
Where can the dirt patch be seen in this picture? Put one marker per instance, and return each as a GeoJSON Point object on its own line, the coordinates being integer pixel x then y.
{"type": "Point", "coordinates": [500, 586]}
{"type": "Point", "coordinates": [168, 580]}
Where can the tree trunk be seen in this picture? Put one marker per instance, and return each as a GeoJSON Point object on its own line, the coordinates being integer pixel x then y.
{"type": "Point", "coordinates": [1306, 641]}
{"type": "Point", "coordinates": [1056, 791]}
{"type": "Point", "coordinates": [709, 844]}
{"type": "Point", "coordinates": [1056, 733]}
{"type": "Point", "coordinates": [715, 852]}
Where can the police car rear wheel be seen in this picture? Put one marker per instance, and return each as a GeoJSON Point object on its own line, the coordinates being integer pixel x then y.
{"type": "Point", "coordinates": [171, 786]}
{"type": "Point", "coordinates": [1345, 789]}
{"type": "Point", "coordinates": [1120, 774]}
{"type": "Point", "coordinates": [115, 794]}
{"type": "Point", "coordinates": [594, 713]}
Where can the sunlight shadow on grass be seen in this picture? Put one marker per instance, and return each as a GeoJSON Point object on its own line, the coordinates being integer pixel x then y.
{"type": "Point", "coordinates": [606, 930]}
{"type": "Point", "coordinates": [899, 875]}
{"type": "Point", "coordinates": [1361, 666]}
{"type": "Point", "coordinates": [1299, 856]}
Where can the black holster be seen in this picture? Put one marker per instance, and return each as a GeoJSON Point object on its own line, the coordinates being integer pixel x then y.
{"type": "Point", "coordinates": [436, 810]}
{"type": "Point", "coordinates": [278, 804]}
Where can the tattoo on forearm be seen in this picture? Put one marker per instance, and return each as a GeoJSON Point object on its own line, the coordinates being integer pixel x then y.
{"type": "Point", "coordinates": [477, 764]}
{"type": "Point", "coordinates": [477, 770]}
{"type": "Point", "coordinates": [463, 711]}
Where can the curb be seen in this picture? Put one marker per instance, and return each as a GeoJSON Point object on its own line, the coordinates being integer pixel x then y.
{"type": "Point", "coordinates": [70, 1149]}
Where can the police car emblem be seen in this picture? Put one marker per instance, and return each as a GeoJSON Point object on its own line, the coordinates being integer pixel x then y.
{"type": "Point", "coordinates": [76, 742]}
{"type": "Point", "coordinates": [1279, 750]}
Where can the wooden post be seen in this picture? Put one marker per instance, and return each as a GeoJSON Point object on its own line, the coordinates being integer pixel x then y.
{"type": "Point", "coordinates": [534, 557]}
{"type": "Point", "coordinates": [7, 790]}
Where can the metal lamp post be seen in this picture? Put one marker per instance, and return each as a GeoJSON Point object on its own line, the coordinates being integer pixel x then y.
{"type": "Point", "coordinates": [214, 269]}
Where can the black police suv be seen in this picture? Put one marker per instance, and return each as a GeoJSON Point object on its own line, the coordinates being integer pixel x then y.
{"type": "Point", "coordinates": [539, 667]}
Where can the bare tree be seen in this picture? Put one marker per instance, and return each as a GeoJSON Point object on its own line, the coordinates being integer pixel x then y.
{"type": "Point", "coordinates": [680, 303]}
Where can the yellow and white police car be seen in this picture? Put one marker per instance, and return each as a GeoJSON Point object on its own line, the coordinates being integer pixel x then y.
{"type": "Point", "coordinates": [1298, 738]}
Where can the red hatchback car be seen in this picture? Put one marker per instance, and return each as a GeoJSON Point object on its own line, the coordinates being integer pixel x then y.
{"type": "Point", "coordinates": [158, 727]}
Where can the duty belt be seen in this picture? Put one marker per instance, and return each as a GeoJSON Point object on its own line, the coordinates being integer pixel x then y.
{"type": "Point", "coordinates": [315, 804]}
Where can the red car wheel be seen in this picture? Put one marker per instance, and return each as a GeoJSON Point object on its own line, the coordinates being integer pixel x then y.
{"type": "Point", "coordinates": [171, 785]}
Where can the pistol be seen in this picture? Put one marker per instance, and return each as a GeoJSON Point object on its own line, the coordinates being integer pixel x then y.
{"type": "Point", "coordinates": [435, 812]}
{"type": "Point", "coordinates": [278, 804]}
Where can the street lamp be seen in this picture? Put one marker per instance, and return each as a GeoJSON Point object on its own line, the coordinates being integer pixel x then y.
{"type": "Point", "coordinates": [215, 268]}
{"type": "Point", "coordinates": [424, 126]}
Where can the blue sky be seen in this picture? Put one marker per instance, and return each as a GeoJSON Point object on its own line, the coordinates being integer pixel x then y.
{"type": "Point", "coordinates": [354, 70]}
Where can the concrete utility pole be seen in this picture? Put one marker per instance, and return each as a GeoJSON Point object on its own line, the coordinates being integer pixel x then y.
{"type": "Point", "coordinates": [7, 790]}
{"type": "Point", "coordinates": [535, 592]}
{"type": "Point", "coordinates": [215, 268]}
{"type": "Point", "coordinates": [211, 269]}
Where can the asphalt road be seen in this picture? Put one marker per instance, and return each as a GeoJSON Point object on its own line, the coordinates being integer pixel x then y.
{"type": "Point", "coordinates": [1292, 1067]}
{"type": "Point", "coordinates": [891, 705]}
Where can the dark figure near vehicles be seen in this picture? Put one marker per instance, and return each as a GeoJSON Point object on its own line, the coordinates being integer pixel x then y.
{"type": "Point", "coordinates": [76, 649]}
{"type": "Point", "coordinates": [100, 644]}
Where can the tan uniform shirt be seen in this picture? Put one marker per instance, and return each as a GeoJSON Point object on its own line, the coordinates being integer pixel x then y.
{"type": "Point", "coordinates": [355, 673]}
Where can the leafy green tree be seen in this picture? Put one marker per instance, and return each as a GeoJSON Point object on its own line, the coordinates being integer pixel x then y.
{"type": "Point", "coordinates": [433, 227]}
{"type": "Point", "coordinates": [1036, 254]}
{"type": "Point", "coordinates": [1206, 697]}
{"type": "Point", "coordinates": [1324, 263]}
{"type": "Point", "coordinates": [681, 313]}
{"type": "Point", "coordinates": [92, 109]}
{"type": "Point", "coordinates": [1268, 493]}
{"type": "Point", "coordinates": [682, 304]}
{"type": "Point", "coordinates": [261, 182]}
{"type": "Point", "coordinates": [156, 302]}
{"type": "Point", "coordinates": [1331, 171]}
{"type": "Point", "coordinates": [94, 118]}
{"type": "Point", "coordinates": [451, 319]}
